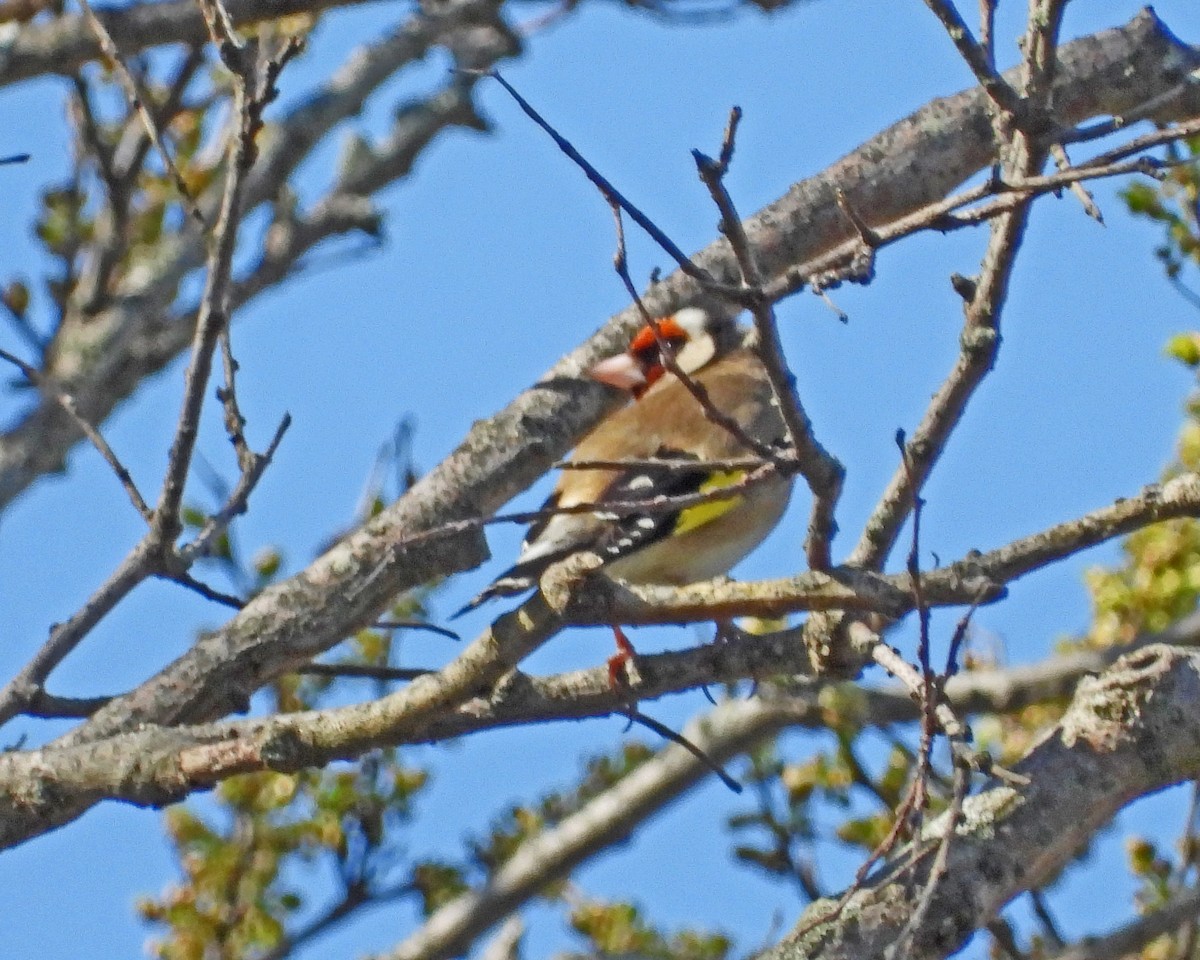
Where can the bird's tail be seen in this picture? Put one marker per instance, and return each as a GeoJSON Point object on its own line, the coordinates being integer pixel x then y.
{"type": "Point", "coordinates": [503, 586]}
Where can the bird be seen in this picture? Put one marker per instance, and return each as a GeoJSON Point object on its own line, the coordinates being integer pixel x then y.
{"type": "Point", "coordinates": [666, 423]}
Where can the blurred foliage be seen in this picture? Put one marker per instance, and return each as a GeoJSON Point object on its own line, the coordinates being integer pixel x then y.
{"type": "Point", "coordinates": [247, 863]}
{"type": "Point", "coordinates": [518, 824]}
{"type": "Point", "coordinates": [239, 883]}
{"type": "Point", "coordinates": [619, 930]}
{"type": "Point", "coordinates": [1175, 204]}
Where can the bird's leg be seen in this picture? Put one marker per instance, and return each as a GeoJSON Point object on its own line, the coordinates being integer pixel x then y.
{"type": "Point", "coordinates": [727, 631]}
{"type": "Point", "coordinates": [619, 662]}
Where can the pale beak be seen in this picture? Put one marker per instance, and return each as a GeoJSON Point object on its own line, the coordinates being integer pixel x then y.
{"type": "Point", "coordinates": [622, 371]}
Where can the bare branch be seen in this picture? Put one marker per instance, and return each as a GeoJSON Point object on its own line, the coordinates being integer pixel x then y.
{"type": "Point", "coordinates": [978, 577]}
{"type": "Point", "coordinates": [1138, 934]}
{"type": "Point", "coordinates": [136, 98]}
{"type": "Point", "coordinates": [978, 57]}
{"type": "Point", "coordinates": [154, 554]}
{"type": "Point", "coordinates": [346, 588]}
{"type": "Point", "coordinates": [50, 388]}
{"type": "Point", "coordinates": [191, 758]}
{"type": "Point", "coordinates": [1021, 157]}
{"type": "Point", "coordinates": [1009, 840]}
{"type": "Point", "coordinates": [820, 469]}
{"type": "Point", "coordinates": [253, 467]}
{"type": "Point", "coordinates": [64, 44]}
{"type": "Point", "coordinates": [215, 304]}
{"type": "Point", "coordinates": [603, 821]}
{"type": "Point", "coordinates": [361, 671]}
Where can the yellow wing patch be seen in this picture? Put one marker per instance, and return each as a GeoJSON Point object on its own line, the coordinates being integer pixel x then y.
{"type": "Point", "coordinates": [692, 518]}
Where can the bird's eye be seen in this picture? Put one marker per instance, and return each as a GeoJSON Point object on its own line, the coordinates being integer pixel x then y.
{"type": "Point", "coordinates": [650, 353]}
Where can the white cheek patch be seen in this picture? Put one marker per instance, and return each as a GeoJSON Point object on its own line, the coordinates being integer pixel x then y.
{"type": "Point", "coordinates": [695, 354]}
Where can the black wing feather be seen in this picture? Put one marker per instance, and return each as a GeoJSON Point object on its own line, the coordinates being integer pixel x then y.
{"type": "Point", "coordinates": [627, 532]}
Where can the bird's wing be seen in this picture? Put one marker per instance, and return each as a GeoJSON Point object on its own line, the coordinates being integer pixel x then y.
{"type": "Point", "coordinates": [667, 423]}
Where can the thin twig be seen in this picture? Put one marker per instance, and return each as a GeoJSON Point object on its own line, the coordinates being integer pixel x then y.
{"type": "Point", "coordinates": [955, 730]}
{"type": "Point", "coordinates": [215, 304]}
{"type": "Point", "coordinates": [987, 31]}
{"type": "Point", "coordinates": [930, 700]}
{"type": "Point", "coordinates": [185, 579]}
{"type": "Point", "coordinates": [619, 508]}
{"type": "Point", "coordinates": [361, 670]}
{"type": "Point", "coordinates": [668, 734]}
{"type": "Point", "coordinates": [129, 152]}
{"type": "Point", "coordinates": [1063, 162]}
{"type": "Point", "coordinates": [119, 167]}
{"type": "Point", "coordinates": [941, 861]}
{"type": "Point", "coordinates": [823, 473]}
{"type": "Point", "coordinates": [1041, 910]}
{"type": "Point", "coordinates": [140, 563]}
{"type": "Point", "coordinates": [1040, 47]}
{"type": "Point", "coordinates": [137, 101]}
{"type": "Point", "coordinates": [979, 344]}
{"type": "Point", "coordinates": [977, 57]}
{"type": "Point", "coordinates": [252, 472]}
{"type": "Point", "coordinates": [51, 389]}
{"type": "Point", "coordinates": [666, 464]}
{"type": "Point", "coordinates": [46, 706]}
{"type": "Point", "coordinates": [612, 195]}
{"type": "Point", "coordinates": [355, 898]}
{"type": "Point", "coordinates": [667, 354]}
{"type": "Point", "coordinates": [944, 215]}
{"type": "Point", "coordinates": [390, 624]}
{"type": "Point", "coordinates": [885, 847]}
{"type": "Point", "coordinates": [154, 554]}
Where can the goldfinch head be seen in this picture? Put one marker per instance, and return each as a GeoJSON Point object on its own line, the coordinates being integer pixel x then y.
{"type": "Point", "coordinates": [694, 336]}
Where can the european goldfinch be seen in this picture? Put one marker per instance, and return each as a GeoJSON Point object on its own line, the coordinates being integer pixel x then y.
{"type": "Point", "coordinates": [665, 421]}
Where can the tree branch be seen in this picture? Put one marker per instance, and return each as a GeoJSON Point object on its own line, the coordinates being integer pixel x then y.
{"type": "Point", "coordinates": [297, 619]}
{"type": "Point", "coordinates": [162, 764]}
{"type": "Point", "coordinates": [1127, 733]}
{"type": "Point", "coordinates": [66, 43]}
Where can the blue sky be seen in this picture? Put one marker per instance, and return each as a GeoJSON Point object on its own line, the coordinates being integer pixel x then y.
{"type": "Point", "coordinates": [498, 261]}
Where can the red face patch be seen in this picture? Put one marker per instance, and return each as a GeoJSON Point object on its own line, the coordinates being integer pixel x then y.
{"type": "Point", "coordinates": [645, 348]}
{"type": "Point", "coordinates": [653, 374]}
{"type": "Point", "coordinates": [645, 341]}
